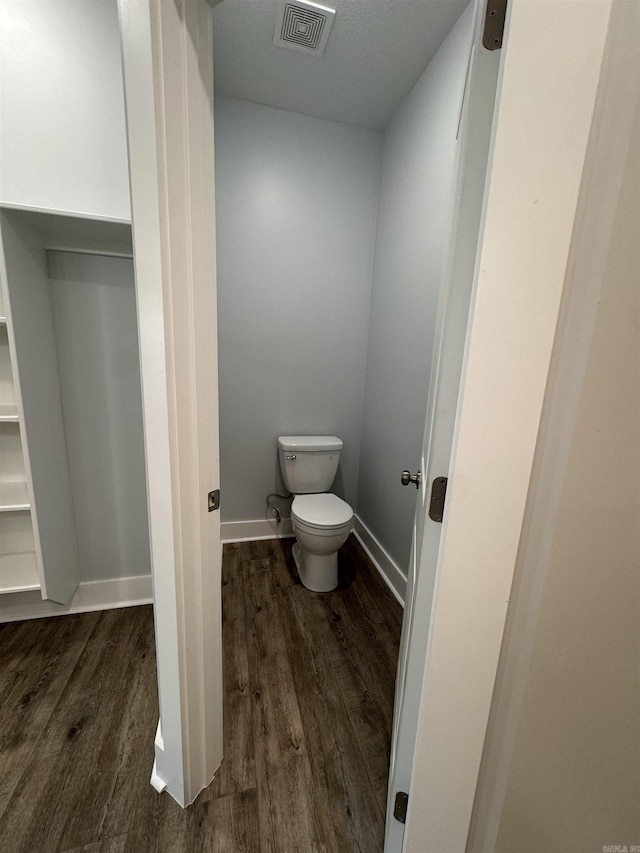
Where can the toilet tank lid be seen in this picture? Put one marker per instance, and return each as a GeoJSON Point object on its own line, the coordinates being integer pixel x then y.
{"type": "Point", "coordinates": [310, 442]}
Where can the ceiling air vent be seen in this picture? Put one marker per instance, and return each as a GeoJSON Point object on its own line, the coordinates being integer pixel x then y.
{"type": "Point", "coordinates": [303, 26]}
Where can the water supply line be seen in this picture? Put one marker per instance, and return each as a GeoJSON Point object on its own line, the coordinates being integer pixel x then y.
{"type": "Point", "coordinates": [275, 512]}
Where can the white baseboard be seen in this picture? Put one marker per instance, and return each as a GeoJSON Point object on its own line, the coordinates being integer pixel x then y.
{"type": "Point", "coordinates": [129, 592]}
{"type": "Point", "coordinates": [262, 528]}
{"type": "Point", "coordinates": [90, 595]}
{"type": "Point", "coordinates": [259, 528]}
{"type": "Point", "coordinates": [390, 572]}
{"type": "Point", "coordinates": [157, 781]}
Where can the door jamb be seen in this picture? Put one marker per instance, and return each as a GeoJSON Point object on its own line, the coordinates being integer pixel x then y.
{"type": "Point", "coordinates": [168, 74]}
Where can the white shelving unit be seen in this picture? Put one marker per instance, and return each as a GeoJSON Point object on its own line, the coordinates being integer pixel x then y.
{"type": "Point", "coordinates": [7, 387]}
{"type": "Point", "coordinates": [38, 548]}
{"type": "Point", "coordinates": [14, 496]}
{"type": "Point", "coordinates": [19, 572]}
{"type": "Point", "coordinates": [9, 414]}
{"type": "Point", "coordinates": [18, 562]}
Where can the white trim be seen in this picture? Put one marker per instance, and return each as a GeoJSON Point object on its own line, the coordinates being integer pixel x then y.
{"type": "Point", "coordinates": [168, 76]}
{"type": "Point", "coordinates": [139, 82]}
{"type": "Point", "coordinates": [258, 528]}
{"type": "Point", "coordinates": [90, 595]}
{"type": "Point", "coordinates": [266, 528]}
{"type": "Point", "coordinates": [157, 781]}
{"type": "Point", "coordinates": [389, 571]}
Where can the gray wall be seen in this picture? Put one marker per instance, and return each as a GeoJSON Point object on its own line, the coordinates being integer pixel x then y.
{"type": "Point", "coordinates": [97, 344]}
{"type": "Point", "coordinates": [296, 199]}
{"type": "Point", "coordinates": [413, 225]}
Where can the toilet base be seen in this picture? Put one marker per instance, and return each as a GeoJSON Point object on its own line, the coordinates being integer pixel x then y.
{"type": "Point", "coordinates": [318, 572]}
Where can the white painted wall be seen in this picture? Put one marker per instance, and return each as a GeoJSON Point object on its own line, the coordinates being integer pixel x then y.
{"type": "Point", "coordinates": [62, 126]}
{"type": "Point", "coordinates": [296, 200]}
{"type": "Point", "coordinates": [94, 314]}
{"type": "Point", "coordinates": [561, 763]}
{"type": "Point", "coordinates": [574, 777]}
{"type": "Point", "coordinates": [413, 228]}
{"type": "Point", "coordinates": [550, 74]}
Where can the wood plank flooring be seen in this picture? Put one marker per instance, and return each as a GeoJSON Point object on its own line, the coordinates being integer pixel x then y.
{"type": "Point", "coordinates": [309, 686]}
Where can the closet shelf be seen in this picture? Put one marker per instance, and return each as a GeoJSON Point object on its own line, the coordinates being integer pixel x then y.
{"type": "Point", "coordinates": [18, 572]}
{"type": "Point", "coordinates": [65, 231]}
{"type": "Point", "coordinates": [14, 497]}
{"type": "Point", "coordinates": [8, 414]}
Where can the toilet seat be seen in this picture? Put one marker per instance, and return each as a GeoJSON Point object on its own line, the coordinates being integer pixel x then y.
{"type": "Point", "coordinates": [323, 511]}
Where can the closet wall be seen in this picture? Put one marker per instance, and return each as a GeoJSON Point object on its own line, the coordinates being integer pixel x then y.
{"type": "Point", "coordinates": [94, 312]}
{"type": "Point", "coordinates": [62, 125]}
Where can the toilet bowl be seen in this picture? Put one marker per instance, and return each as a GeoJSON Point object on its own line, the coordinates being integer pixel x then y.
{"type": "Point", "coordinates": [321, 520]}
{"type": "Point", "coordinates": [322, 524]}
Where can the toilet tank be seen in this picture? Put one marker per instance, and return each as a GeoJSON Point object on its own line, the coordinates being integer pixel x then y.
{"type": "Point", "coordinates": [309, 462]}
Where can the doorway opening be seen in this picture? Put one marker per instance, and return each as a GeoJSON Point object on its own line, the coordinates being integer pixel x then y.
{"type": "Point", "coordinates": [346, 245]}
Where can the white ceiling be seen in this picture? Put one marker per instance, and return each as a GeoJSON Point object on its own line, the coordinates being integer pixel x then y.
{"type": "Point", "coordinates": [376, 51]}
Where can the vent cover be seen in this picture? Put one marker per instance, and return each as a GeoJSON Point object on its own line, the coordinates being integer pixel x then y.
{"type": "Point", "coordinates": [303, 26]}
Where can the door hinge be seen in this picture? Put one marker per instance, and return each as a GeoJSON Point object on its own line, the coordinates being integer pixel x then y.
{"type": "Point", "coordinates": [400, 806]}
{"type": "Point", "coordinates": [214, 500]}
{"type": "Point", "coordinates": [438, 494]}
{"type": "Point", "coordinates": [494, 18]}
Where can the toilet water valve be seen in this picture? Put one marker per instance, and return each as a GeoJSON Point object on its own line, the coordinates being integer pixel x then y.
{"type": "Point", "coordinates": [272, 510]}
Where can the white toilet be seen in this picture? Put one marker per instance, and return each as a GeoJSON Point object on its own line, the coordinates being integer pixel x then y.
{"type": "Point", "coordinates": [321, 521]}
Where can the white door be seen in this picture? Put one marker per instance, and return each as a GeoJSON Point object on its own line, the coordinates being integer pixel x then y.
{"type": "Point", "coordinates": [168, 71]}
{"type": "Point", "coordinates": [473, 144]}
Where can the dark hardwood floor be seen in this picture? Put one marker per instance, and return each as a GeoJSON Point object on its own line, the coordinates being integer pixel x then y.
{"type": "Point", "coordinates": [309, 682]}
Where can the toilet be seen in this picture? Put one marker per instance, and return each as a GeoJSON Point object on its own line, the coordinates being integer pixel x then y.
{"type": "Point", "coordinates": [321, 521]}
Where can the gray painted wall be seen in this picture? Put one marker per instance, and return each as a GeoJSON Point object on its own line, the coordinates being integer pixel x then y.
{"type": "Point", "coordinates": [413, 227]}
{"type": "Point", "coordinates": [97, 345]}
{"type": "Point", "coordinates": [296, 198]}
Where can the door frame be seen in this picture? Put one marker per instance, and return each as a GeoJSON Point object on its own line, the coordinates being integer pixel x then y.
{"type": "Point", "coordinates": [168, 80]}
{"type": "Point", "coordinates": [473, 138]}
{"type": "Point", "coordinates": [547, 92]}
